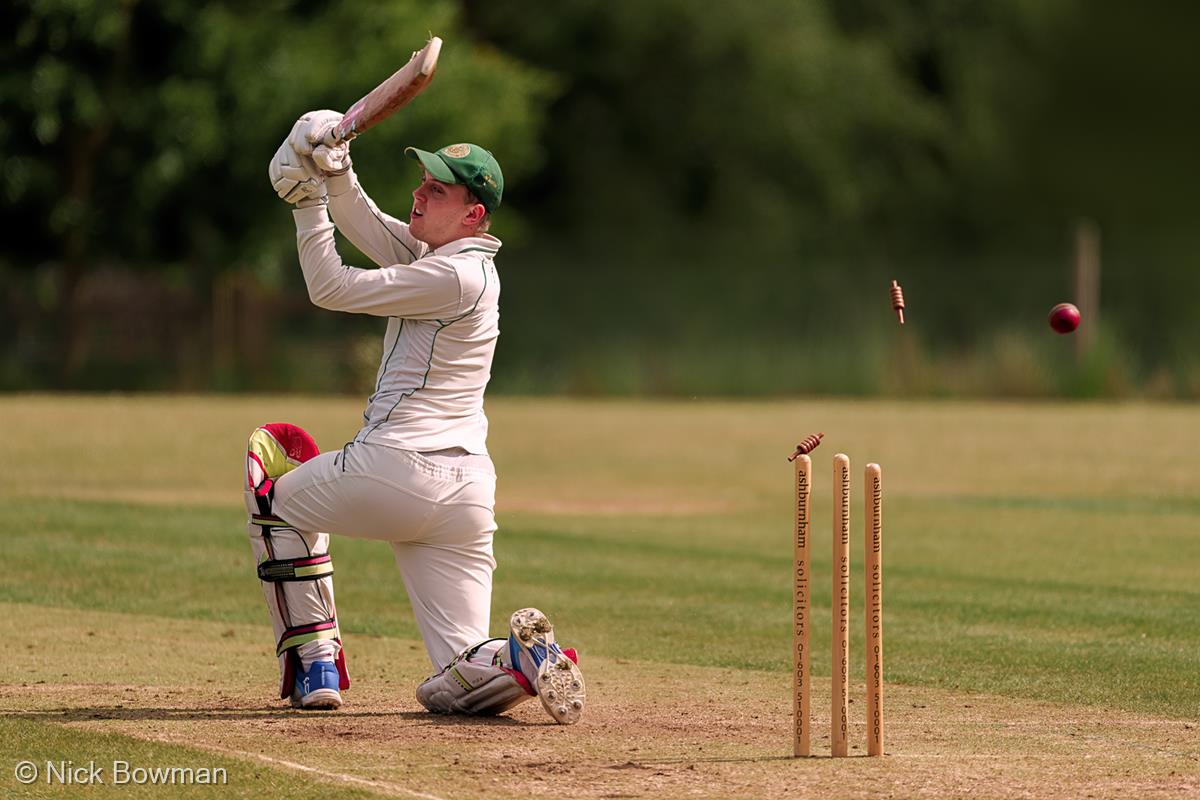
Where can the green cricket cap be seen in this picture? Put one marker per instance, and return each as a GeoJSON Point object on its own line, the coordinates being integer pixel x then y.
{"type": "Point", "coordinates": [468, 164]}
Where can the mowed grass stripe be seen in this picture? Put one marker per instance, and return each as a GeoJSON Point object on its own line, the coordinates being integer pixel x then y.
{"type": "Point", "coordinates": [118, 547]}
{"type": "Point", "coordinates": [1133, 506]}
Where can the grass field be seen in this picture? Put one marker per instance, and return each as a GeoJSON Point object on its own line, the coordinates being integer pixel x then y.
{"type": "Point", "coordinates": [1041, 589]}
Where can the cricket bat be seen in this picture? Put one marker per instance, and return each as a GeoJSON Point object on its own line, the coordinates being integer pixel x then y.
{"type": "Point", "coordinates": [390, 96]}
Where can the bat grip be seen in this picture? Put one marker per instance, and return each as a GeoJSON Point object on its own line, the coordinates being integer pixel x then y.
{"type": "Point", "coordinates": [336, 136]}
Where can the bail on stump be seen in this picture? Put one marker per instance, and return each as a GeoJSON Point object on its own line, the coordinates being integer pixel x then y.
{"type": "Point", "coordinates": [807, 445]}
{"type": "Point", "coordinates": [898, 301]}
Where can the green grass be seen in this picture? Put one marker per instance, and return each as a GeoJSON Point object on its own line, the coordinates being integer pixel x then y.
{"type": "Point", "coordinates": [1025, 555]}
{"type": "Point", "coordinates": [93, 757]}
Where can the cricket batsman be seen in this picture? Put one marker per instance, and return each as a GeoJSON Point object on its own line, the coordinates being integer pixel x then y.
{"type": "Point", "coordinates": [417, 474]}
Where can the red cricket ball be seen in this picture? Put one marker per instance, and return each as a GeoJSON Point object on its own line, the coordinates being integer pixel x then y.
{"type": "Point", "coordinates": [1064, 318]}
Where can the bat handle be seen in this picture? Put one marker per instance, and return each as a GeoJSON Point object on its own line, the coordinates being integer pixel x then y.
{"type": "Point", "coordinates": [345, 130]}
{"type": "Point", "coordinates": [337, 134]}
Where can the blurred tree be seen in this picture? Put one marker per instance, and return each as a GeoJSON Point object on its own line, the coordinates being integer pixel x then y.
{"type": "Point", "coordinates": [789, 154]}
{"type": "Point", "coordinates": [827, 145]}
{"type": "Point", "coordinates": [758, 118]}
{"type": "Point", "coordinates": [849, 117]}
{"type": "Point", "coordinates": [1062, 110]}
{"type": "Point", "coordinates": [139, 132]}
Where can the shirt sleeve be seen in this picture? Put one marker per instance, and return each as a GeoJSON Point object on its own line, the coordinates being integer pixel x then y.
{"type": "Point", "coordinates": [382, 238]}
{"type": "Point", "coordinates": [428, 288]}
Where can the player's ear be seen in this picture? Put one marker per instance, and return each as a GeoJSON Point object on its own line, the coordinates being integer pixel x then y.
{"type": "Point", "coordinates": [475, 214]}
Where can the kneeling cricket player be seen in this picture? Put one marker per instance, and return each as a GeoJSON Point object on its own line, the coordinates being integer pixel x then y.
{"type": "Point", "coordinates": [417, 474]}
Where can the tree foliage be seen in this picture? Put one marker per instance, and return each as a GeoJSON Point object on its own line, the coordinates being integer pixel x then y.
{"type": "Point", "coordinates": [858, 118]}
{"type": "Point", "coordinates": [697, 160]}
{"type": "Point", "coordinates": [140, 131]}
{"type": "Point", "coordinates": [762, 115]}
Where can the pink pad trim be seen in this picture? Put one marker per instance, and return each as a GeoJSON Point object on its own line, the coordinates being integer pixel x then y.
{"type": "Point", "coordinates": [521, 680]}
{"type": "Point", "coordinates": [251, 454]}
{"type": "Point", "coordinates": [295, 440]}
{"type": "Point", "coordinates": [313, 627]}
{"type": "Point", "coordinates": [343, 673]}
{"type": "Point", "coordinates": [287, 677]}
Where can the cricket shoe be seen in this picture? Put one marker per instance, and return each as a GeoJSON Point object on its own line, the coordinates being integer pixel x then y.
{"type": "Point", "coordinates": [554, 674]}
{"type": "Point", "coordinates": [317, 687]}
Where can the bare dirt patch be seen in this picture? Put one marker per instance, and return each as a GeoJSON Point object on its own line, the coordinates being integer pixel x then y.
{"type": "Point", "coordinates": [650, 729]}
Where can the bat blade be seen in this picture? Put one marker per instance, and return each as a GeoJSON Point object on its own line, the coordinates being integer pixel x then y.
{"type": "Point", "coordinates": [390, 96]}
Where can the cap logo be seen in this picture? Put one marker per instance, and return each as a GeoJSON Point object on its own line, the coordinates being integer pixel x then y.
{"type": "Point", "coordinates": [457, 150]}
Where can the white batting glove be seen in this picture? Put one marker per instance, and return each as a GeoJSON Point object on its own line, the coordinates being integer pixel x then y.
{"type": "Point", "coordinates": [295, 178]}
{"type": "Point", "coordinates": [312, 129]}
{"type": "Point", "coordinates": [332, 160]}
{"type": "Point", "coordinates": [311, 136]}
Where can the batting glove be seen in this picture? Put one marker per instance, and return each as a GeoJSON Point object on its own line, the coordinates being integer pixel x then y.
{"type": "Point", "coordinates": [313, 136]}
{"type": "Point", "coordinates": [295, 178]}
{"type": "Point", "coordinates": [312, 129]}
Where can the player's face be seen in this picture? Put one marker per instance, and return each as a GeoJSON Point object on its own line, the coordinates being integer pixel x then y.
{"type": "Point", "coordinates": [442, 212]}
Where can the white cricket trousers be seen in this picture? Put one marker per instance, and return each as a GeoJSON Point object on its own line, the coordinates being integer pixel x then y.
{"type": "Point", "coordinates": [436, 510]}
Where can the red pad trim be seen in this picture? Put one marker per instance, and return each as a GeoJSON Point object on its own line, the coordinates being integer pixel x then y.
{"type": "Point", "coordinates": [343, 673]}
{"type": "Point", "coordinates": [295, 440]}
{"type": "Point", "coordinates": [521, 680]}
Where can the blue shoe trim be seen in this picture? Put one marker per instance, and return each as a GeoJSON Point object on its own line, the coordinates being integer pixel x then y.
{"type": "Point", "coordinates": [320, 675]}
{"type": "Point", "coordinates": [514, 653]}
{"type": "Point", "coordinates": [536, 652]}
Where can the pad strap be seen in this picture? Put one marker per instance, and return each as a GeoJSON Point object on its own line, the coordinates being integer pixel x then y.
{"type": "Point", "coordinates": [302, 634]}
{"type": "Point", "coordinates": [284, 570]}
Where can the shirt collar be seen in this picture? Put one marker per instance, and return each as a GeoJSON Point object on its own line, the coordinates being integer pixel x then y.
{"type": "Point", "coordinates": [484, 241]}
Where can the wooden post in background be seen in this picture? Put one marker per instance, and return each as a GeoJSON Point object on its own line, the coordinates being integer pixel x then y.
{"type": "Point", "coordinates": [1087, 285]}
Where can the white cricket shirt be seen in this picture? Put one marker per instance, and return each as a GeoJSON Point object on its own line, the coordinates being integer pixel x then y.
{"type": "Point", "coordinates": [443, 318]}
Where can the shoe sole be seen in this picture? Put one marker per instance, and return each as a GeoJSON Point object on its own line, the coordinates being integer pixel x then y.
{"type": "Point", "coordinates": [561, 690]}
{"type": "Point", "coordinates": [321, 699]}
{"type": "Point", "coordinates": [560, 684]}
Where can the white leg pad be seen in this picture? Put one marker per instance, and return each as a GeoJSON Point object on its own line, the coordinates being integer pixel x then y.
{"type": "Point", "coordinates": [475, 683]}
{"type": "Point", "coordinates": [298, 603]}
{"type": "Point", "coordinates": [293, 565]}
